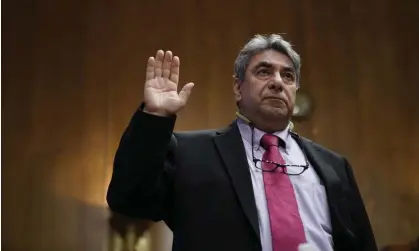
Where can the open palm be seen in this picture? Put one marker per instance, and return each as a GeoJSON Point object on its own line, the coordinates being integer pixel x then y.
{"type": "Point", "coordinates": [161, 87]}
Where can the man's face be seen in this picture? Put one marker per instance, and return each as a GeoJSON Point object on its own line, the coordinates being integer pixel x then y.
{"type": "Point", "coordinates": [269, 87]}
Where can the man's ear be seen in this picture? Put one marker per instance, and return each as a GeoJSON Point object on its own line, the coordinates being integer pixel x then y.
{"type": "Point", "coordinates": [236, 89]}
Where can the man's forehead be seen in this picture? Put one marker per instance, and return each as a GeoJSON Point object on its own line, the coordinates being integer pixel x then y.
{"type": "Point", "coordinates": [271, 57]}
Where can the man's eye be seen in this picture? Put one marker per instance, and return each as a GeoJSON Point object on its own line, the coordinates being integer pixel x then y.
{"type": "Point", "coordinates": [288, 76]}
{"type": "Point", "coordinates": [263, 72]}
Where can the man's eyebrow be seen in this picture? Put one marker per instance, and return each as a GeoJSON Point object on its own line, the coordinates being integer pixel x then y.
{"type": "Point", "coordinates": [288, 68]}
{"type": "Point", "coordinates": [263, 64]}
{"type": "Point", "coordinates": [270, 65]}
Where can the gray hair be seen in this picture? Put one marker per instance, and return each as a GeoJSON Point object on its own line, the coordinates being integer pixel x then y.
{"type": "Point", "coordinates": [260, 43]}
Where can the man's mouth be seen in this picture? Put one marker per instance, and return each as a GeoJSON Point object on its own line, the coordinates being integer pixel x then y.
{"type": "Point", "coordinates": [275, 102]}
{"type": "Point", "coordinates": [274, 98]}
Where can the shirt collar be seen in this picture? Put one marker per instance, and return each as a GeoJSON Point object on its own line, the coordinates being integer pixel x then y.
{"type": "Point", "coordinates": [246, 133]}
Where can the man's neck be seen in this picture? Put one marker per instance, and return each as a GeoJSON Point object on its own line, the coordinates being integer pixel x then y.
{"type": "Point", "coordinates": [269, 126]}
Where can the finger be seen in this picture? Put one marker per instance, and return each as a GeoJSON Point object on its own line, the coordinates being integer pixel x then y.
{"type": "Point", "coordinates": [150, 68]}
{"type": "Point", "coordinates": [174, 71]}
{"type": "Point", "coordinates": [159, 63]}
{"type": "Point", "coordinates": [185, 92]}
{"type": "Point", "coordinates": [167, 63]}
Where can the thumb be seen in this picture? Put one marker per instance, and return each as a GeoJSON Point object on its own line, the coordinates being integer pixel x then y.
{"type": "Point", "coordinates": [186, 91]}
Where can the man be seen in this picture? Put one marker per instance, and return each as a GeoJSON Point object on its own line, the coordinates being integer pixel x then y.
{"type": "Point", "coordinates": [254, 185]}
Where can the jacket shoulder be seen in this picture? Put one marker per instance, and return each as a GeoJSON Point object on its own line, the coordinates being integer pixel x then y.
{"type": "Point", "coordinates": [323, 150]}
{"type": "Point", "coordinates": [195, 134]}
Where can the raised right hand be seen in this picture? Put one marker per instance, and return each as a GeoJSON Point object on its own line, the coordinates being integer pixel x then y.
{"type": "Point", "coordinates": [160, 90]}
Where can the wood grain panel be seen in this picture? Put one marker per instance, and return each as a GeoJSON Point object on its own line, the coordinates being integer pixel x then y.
{"type": "Point", "coordinates": [73, 74]}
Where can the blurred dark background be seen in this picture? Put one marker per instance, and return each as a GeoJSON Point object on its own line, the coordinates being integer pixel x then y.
{"type": "Point", "coordinates": [73, 74]}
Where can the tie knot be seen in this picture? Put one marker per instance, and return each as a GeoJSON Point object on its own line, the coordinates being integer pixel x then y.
{"type": "Point", "coordinates": [271, 140]}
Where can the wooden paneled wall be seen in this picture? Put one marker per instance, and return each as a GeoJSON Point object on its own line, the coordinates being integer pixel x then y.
{"type": "Point", "coordinates": [73, 73]}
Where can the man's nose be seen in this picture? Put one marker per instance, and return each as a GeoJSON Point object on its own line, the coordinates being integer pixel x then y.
{"type": "Point", "coordinates": [276, 82]}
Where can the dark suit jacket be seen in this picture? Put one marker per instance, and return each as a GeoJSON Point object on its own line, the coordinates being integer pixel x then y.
{"type": "Point", "coordinates": [199, 184]}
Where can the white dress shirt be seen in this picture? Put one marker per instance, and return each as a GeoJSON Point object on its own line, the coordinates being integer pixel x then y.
{"type": "Point", "coordinates": [309, 192]}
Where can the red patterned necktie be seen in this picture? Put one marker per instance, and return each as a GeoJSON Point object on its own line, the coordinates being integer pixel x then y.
{"type": "Point", "coordinates": [286, 226]}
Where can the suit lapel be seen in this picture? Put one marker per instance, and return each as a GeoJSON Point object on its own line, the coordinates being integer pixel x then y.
{"type": "Point", "coordinates": [232, 152]}
{"type": "Point", "coordinates": [325, 171]}
{"type": "Point", "coordinates": [331, 181]}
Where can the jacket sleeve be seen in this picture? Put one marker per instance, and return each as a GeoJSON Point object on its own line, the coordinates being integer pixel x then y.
{"type": "Point", "coordinates": [363, 230]}
{"type": "Point", "coordinates": [142, 177]}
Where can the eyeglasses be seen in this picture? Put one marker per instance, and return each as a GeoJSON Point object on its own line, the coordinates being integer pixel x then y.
{"type": "Point", "coordinates": [289, 169]}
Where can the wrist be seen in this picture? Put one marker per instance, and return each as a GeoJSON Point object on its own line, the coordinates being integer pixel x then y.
{"type": "Point", "coordinates": [157, 112]}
